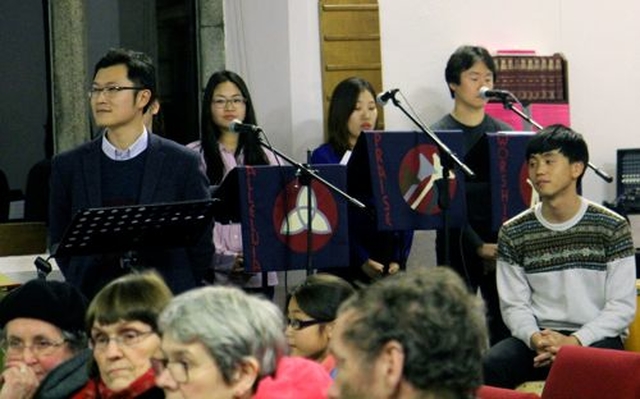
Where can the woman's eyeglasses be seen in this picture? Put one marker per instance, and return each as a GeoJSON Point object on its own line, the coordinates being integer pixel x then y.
{"type": "Point", "coordinates": [39, 347]}
{"type": "Point", "coordinates": [179, 370]}
{"type": "Point", "coordinates": [101, 341]}
{"type": "Point", "coordinates": [222, 103]}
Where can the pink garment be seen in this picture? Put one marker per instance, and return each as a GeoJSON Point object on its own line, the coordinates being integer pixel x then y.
{"type": "Point", "coordinates": [329, 363]}
{"type": "Point", "coordinates": [295, 378]}
{"type": "Point", "coordinates": [227, 238]}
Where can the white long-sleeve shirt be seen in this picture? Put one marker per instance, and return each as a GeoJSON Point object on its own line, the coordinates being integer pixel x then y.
{"type": "Point", "coordinates": [577, 276]}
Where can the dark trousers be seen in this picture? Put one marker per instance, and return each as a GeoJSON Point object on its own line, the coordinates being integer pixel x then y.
{"type": "Point", "coordinates": [509, 363]}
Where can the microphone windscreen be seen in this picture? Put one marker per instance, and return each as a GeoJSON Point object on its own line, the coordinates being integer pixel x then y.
{"type": "Point", "coordinates": [234, 126]}
{"type": "Point", "coordinates": [382, 99]}
{"type": "Point", "coordinates": [483, 92]}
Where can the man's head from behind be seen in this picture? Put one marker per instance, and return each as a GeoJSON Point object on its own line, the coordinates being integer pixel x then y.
{"type": "Point", "coordinates": [410, 335]}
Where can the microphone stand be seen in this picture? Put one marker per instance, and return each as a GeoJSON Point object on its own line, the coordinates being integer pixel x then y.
{"type": "Point", "coordinates": [306, 181]}
{"type": "Point", "coordinates": [508, 104]}
{"type": "Point", "coordinates": [308, 175]}
{"type": "Point", "coordinates": [448, 159]}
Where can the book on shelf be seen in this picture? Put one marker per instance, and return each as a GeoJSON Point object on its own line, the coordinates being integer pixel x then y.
{"type": "Point", "coordinates": [532, 78]}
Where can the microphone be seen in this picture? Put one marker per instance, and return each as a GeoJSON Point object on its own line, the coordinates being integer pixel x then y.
{"type": "Point", "coordinates": [238, 127]}
{"type": "Point", "coordinates": [487, 93]}
{"type": "Point", "coordinates": [384, 97]}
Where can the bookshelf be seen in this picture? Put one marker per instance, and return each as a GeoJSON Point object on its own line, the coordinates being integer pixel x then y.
{"type": "Point", "coordinates": [540, 82]}
{"type": "Point", "coordinates": [533, 78]}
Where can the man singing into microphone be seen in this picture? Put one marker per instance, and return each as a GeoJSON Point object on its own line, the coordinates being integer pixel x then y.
{"type": "Point", "coordinates": [472, 250]}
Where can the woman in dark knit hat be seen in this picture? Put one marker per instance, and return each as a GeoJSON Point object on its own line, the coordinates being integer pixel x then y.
{"type": "Point", "coordinates": [42, 327]}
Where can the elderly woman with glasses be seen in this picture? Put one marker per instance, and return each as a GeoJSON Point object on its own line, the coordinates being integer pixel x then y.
{"type": "Point", "coordinates": [121, 320]}
{"type": "Point", "coordinates": [42, 330]}
{"type": "Point", "coordinates": [226, 99]}
{"type": "Point", "coordinates": [220, 342]}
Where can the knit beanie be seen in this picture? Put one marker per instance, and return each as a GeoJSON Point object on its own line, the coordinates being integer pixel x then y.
{"type": "Point", "coordinates": [55, 302]}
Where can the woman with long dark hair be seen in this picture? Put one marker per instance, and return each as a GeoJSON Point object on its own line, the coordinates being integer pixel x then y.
{"type": "Point", "coordinates": [373, 254]}
{"type": "Point", "coordinates": [226, 98]}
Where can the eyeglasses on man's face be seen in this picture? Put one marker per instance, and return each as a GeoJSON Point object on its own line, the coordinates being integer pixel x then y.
{"type": "Point", "coordinates": [178, 370]}
{"type": "Point", "coordinates": [110, 91]}
{"type": "Point", "coordinates": [222, 102]}
{"type": "Point", "coordinates": [40, 347]}
{"type": "Point", "coordinates": [100, 341]}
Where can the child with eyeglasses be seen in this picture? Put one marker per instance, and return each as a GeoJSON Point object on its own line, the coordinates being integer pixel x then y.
{"type": "Point", "coordinates": [311, 310]}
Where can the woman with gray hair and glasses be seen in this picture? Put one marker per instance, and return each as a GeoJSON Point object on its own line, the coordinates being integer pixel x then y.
{"type": "Point", "coordinates": [220, 342]}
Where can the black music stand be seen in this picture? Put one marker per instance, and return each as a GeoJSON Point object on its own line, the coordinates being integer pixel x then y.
{"type": "Point", "coordinates": [123, 230]}
{"type": "Point", "coordinates": [226, 209]}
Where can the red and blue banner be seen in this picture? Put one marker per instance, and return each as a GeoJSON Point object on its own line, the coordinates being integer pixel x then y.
{"type": "Point", "coordinates": [511, 192]}
{"type": "Point", "coordinates": [277, 211]}
{"type": "Point", "coordinates": [398, 174]}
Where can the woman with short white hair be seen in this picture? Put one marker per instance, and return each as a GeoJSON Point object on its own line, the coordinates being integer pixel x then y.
{"type": "Point", "coordinates": [220, 342]}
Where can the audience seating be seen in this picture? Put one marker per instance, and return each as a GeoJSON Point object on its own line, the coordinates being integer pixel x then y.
{"type": "Point", "coordinates": [585, 373]}
{"type": "Point", "coordinates": [489, 392]}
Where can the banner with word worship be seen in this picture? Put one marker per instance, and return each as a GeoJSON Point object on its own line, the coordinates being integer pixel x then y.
{"type": "Point", "coordinates": [279, 213]}
{"type": "Point", "coordinates": [399, 175]}
{"type": "Point", "coordinates": [511, 192]}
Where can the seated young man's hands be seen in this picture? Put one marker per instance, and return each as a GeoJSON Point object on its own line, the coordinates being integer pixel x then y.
{"type": "Point", "coordinates": [547, 343]}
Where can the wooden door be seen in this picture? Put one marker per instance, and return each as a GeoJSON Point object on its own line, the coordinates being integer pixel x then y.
{"type": "Point", "coordinates": [350, 44]}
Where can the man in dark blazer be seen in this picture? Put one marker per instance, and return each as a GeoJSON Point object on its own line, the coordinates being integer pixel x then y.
{"type": "Point", "coordinates": [127, 165]}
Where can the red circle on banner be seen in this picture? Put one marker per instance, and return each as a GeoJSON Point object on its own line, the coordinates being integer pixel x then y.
{"type": "Point", "coordinates": [419, 170]}
{"type": "Point", "coordinates": [290, 216]}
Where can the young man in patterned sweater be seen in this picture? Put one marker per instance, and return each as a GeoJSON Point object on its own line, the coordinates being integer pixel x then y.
{"type": "Point", "coordinates": [566, 268]}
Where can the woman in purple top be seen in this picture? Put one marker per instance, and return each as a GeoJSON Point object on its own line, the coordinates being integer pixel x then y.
{"type": "Point", "coordinates": [372, 253]}
{"type": "Point", "coordinates": [226, 98]}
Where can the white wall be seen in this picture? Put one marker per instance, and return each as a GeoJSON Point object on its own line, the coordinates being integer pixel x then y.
{"type": "Point", "coordinates": [600, 41]}
{"type": "Point", "coordinates": [257, 48]}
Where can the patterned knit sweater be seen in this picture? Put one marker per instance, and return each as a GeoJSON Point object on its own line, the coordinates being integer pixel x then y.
{"type": "Point", "coordinates": [576, 276]}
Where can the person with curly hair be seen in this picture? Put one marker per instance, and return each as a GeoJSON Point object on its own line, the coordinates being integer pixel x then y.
{"type": "Point", "coordinates": [411, 335]}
